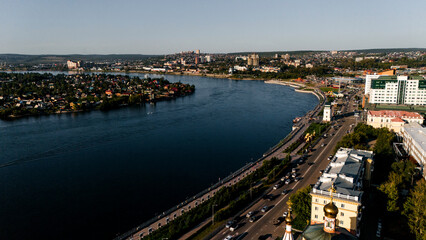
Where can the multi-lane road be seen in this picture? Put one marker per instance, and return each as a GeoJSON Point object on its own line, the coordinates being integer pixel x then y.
{"type": "Point", "coordinates": [309, 172]}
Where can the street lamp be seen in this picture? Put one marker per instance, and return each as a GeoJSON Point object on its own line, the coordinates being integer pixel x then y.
{"type": "Point", "coordinates": [214, 204]}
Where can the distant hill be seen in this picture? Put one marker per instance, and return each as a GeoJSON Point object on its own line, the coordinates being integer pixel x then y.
{"type": "Point", "coordinates": [376, 50]}
{"type": "Point", "coordinates": [270, 54]}
{"type": "Point", "coordinates": [46, 59]}
{"type": "Point", "coordinates": [386, 50]}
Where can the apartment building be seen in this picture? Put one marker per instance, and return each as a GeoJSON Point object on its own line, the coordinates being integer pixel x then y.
{"type": "Point", "coordinates": [346, 172]}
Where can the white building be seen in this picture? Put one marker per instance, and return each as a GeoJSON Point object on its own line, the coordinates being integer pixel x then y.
{"type": "Point", "coordinates": [410, 90]}
{"type": "Point", "coordinates": [393, 120]}
{"type": "Point", "coordinates": [73, 65]}
{"type": "Point", "coordinates": [346, 172]}
{"type": "Point", "coordinates": [414, 142]}
{"type": "Point", "coordinates": [326, 116]}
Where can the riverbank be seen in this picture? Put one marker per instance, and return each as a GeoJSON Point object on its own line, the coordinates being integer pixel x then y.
{"type": "Point", "coordinates": [298, 87]}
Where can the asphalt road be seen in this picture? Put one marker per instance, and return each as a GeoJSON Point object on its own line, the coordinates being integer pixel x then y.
{"type": "Point", "coordinates": [308, 171]}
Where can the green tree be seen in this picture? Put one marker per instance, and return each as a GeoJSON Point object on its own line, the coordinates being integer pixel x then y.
{"type": "Point", "coordinates": [390, 189]}
{"type": "Point", "coordinates": [415, 210]}
{"type": "Point", "coordinates": [301, 205]}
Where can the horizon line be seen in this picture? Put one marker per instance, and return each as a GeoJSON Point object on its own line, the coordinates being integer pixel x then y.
{"type": "Point", "coordinates": [269, 51]}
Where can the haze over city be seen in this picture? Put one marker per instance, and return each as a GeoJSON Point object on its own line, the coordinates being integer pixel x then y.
{"type": "Point", "coordinates": [164, 27]}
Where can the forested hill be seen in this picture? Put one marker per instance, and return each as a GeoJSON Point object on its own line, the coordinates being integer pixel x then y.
{"type": "Point", "coordinates": [46, 59]}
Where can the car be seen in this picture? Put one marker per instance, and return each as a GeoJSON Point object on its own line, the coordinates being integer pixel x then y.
{"type": "Point", "coordinates": [285, 214]}
{"type": "Point", "coordinates": [293, 175]}
{"type": "Point", "coordinates": [233, 227]}
{"type": "Point", "coordinates": [229, 224]}
{"type": "Point", "coordinates": [330, 157]}
{"type": "Point", "coordinates": [276, 186]}
{"type": "Point", "coordinates": [252, 219]}
{"type": "Point", "coordinates": [297, 179]}
{"type": "Point", "coordinates": [288, 181]}
{"type": "Point", "coordinates": [282, 179]}
{"type": "Point", "coordinates": [249, 214]}
{"type": "Point", "coordinates": [229, 237]}
{"type": "Point", "coordinates": [321, 171]}
{"type": "Point", "coordinates": [293, 170]}
{"type": "Point", "coordinates": [285, 192]}
{"type": "Point", "coordinates": [322, 145]}
{"type": "Point", "coordinates": [264, 209]}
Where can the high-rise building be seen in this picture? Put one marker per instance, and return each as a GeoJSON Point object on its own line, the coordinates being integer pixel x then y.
{"type": "Point", "coordinates": [197, 51]}
{"type": "Point", "coordinates": [253, 60]}
{"type": "Point", "coordinates": [346, 172]}
{"type": "Point", "coordinates": [385, 89]}
{"type": "Point", "coordinates": [73, 65]}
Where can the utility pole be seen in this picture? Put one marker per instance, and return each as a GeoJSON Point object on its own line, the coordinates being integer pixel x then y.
{"type": "Point", "coordinates": [214, 204]}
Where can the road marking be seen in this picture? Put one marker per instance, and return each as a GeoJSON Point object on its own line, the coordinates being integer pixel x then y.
{"type": "Point", "coordinates": [321, 153]}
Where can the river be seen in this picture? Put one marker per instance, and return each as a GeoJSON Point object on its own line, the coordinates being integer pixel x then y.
{"type": "Point", "coordinates": [94, 175]}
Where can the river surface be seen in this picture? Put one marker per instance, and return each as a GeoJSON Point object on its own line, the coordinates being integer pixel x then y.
{"type": "Point", "coordinates": [94, 175]}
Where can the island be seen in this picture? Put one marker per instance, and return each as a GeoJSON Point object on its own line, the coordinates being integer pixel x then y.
{"type": "Point", "coordinates": [26, 94]}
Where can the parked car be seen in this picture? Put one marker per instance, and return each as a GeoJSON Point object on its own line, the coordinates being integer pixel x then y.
{"type": "Point", "coordinates": [276, 186]}
{"type": "Point", "coordinates": [293, 170]}
{"type": "Point", "coordinates": [285, 192]}
{"type": "Point", "coordinates": [229, 237]}
{"type": "Point", "coordinates": [264, 209]}
{"type": "Point", "coordinates": [249, 214]}
{"type": "Point", "coordinates": [330, 157]}
{"type": "Point", "coordinates": [285, 214]}
{"type": "Point", "coordinates": [288, 181]}
{"type": "Point", "coordinates": [297, 179]}
{"type": "Point", "coordinates": [252, 219]}
{"type": "Point", "coordinates": [294, 175]}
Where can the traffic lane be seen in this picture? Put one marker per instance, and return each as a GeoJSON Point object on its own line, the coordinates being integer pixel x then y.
{"type": "Point", "coordinates": [310, 174]}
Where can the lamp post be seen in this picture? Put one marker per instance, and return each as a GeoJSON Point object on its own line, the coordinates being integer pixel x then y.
{"type": "Point", "coordinates": [214, 204]}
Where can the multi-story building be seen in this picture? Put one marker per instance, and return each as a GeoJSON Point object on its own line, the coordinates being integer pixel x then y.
{"type": "Point", "coordinates": [414, 141]}
{"type": "Point", "coordinates": [346, 172]}
{"type": "Point", "coordinates": [73, 65]}
{"type": "Point", "coordinates": [410, 90]}
{"type": "Point", "coordinates": [393, 120]}
{"type": "Point", "coordinates": [326, 116]}
{"type": "Point", "coordinates": [253, 60]}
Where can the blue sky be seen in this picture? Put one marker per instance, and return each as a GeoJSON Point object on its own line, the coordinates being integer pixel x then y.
{"type": "Point", "coordinates": [169, 26]}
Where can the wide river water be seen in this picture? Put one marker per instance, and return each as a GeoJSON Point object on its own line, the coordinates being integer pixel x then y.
{"type": "Point", "coordinates": [94, 175]}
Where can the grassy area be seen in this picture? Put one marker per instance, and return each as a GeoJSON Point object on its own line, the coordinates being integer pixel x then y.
{"type": "Point", "coordinates": [328, 89]}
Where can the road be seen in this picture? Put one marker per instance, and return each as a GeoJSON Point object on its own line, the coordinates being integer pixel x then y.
{"type": "Point", "coordinates": [308, 171]}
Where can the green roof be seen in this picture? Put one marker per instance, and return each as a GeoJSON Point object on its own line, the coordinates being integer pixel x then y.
{"type": "Point", "coordinates": [387, 78]}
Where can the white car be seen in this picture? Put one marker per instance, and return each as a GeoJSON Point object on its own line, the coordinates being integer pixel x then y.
{"type": "Point", "coordinates": [249, 214]}
{"type": "Point", "coordinates": [285, 214]}
{"type": "Point", "coordinates": [287, 181]}
{"type": "Point", "coordinates": [229, 237]}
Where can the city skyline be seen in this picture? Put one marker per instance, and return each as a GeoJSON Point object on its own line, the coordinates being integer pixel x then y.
{"type": "Point", "coordinates": [165, 27]}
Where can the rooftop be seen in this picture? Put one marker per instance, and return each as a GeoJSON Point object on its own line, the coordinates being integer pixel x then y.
{"type": "Point", "coordinates": [417, 133]}
{"type": "Point", "coordinates": [344, 171]}
{"type": "Point", "coordinates": [395, 114]}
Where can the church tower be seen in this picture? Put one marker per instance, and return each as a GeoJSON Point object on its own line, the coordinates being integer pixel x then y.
{"type": "Point", "coordinates": [330, 212]}
{"type": "Point", "coordinates": [288, 235]}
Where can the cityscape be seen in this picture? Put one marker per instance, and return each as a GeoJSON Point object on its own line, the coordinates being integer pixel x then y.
{"type": "Point", "coordinates": [155, 137]}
